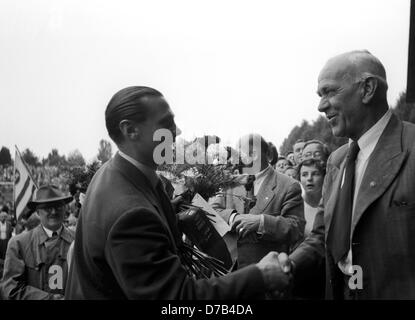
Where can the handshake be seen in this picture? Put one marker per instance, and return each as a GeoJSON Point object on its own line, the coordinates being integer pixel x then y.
{"type": "Point", "coordinates": [277, 271]}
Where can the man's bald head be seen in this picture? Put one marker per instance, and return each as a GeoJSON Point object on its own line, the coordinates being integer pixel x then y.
{"type": "Point", "coordinates": [352, 87]}
{"type": "Point", "coordinates": [355, 66]}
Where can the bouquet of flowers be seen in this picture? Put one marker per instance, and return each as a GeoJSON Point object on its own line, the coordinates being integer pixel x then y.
{"type": "Point", "coordinates": [208, 253]}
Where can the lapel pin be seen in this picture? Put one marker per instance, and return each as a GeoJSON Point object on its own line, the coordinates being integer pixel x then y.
{"type": "Point", "coordinates": [372, 184]}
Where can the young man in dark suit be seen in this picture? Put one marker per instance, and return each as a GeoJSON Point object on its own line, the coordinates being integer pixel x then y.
{"type": "Point", "coordinates": [127, 239]}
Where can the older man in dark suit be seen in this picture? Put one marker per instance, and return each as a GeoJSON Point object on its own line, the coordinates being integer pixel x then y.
{"type": "Point", "coordinates": [127, 239]}
{"type": "Point", "coordinates": [367, 216]}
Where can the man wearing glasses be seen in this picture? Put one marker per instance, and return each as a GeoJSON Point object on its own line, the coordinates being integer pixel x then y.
{"type": "Point", "coordinates": [35, 267]}
{"type": "Point", "coordinates": [315, 149]}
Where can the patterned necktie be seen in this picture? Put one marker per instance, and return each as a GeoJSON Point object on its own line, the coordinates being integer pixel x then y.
{"type": "Point", "coordinates": [339, 236]}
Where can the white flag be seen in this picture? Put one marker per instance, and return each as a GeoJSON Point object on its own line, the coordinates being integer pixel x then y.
{"type": "Point", "coordinates": [24, 186]}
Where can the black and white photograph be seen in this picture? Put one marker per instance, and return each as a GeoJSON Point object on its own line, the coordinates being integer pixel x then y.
{"type": "Point", "coordinates": [210, 156]}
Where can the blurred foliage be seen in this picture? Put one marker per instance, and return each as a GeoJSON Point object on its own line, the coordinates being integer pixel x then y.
{"type": "Point", "coordinates": [79, 177]}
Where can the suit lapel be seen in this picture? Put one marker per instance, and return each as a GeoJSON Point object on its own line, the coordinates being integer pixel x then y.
{"type": "Point", "coordinates": [265, 193]}
{"type": "Point", "coordinates": [383, 166]}
{"type": "Point", "coordinates": [139, 180]}
{"type": "Point", "coordinates": [336, 176]}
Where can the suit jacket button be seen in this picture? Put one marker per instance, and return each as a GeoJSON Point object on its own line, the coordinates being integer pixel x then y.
{"type": "Point", "coordinates": [372, 184]}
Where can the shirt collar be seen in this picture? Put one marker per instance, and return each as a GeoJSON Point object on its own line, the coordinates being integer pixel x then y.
{"type": "Point", "coordinates": [149, 173]}
{"type": "Point", "coordinates": [367, 142]}
{"type": "Point", "coordinates": [50, 232]}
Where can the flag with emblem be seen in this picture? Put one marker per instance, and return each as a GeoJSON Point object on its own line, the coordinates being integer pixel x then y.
{"type": "Point", "coordinates": [24, 185]}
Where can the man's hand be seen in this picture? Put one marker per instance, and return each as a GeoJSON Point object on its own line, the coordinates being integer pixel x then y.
{"type": "Point", "coordinates": [276, 280]}
{"type": "Point", "coordinates": [287, 266]}
{"type": "Point", "coordinates": [285, 263]}
{"type": "Point", "coordinates": [243, 224]}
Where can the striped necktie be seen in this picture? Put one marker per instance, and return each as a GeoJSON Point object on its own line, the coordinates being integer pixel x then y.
{"type": "Point", "coordinates": [339, 235]}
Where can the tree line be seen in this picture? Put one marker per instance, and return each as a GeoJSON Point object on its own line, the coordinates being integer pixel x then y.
{"type": "Point", "coordinates": [54, 158]}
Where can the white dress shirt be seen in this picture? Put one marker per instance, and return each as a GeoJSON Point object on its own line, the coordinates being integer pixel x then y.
{"type": "Point", "coordinates": [50, 232]}
{"type": "Point", "coordinates": [259, 179]}
{"type": "Point", "coordinates": [367, 144]}
{"type": "Point", "coordinates": [309, 216]}
{"type": "Point", "coordinates": [3, 230]}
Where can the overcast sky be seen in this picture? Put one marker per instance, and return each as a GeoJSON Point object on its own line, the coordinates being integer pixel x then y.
{"type": "Point", "coordinates": [226, 67]}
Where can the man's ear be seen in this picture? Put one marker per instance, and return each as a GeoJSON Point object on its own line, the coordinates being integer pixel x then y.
{"type": "Point", "coordinates": [369, 88]}
{"type": "Point", "coordinates": [129, 130]}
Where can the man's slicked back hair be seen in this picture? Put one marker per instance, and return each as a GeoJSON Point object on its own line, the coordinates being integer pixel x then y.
{"type": "Point", "coordinates": [127, 104]}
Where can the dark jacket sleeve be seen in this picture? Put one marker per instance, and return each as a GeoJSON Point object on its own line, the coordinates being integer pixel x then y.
{"type": "Point", "coordinates": [309, 255]}
{"type": "Point", "coordinates": [13, 285]}
{"type": "Point", "coordinates": [289, 225]}
{"type": "Point", "coordinates": [145, 265]}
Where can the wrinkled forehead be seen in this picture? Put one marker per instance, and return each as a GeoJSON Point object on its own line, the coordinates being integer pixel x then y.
{"type": "Point", "coordinates": [337, 69]}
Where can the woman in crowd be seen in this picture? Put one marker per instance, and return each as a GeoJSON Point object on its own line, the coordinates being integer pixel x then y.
{"type": "Point", "coordinates": [311, 174]}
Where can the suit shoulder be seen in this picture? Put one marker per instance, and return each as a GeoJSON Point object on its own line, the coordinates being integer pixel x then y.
{"type": "Point", "coordinates": [337, 156]}
{"type": "Point", "coordinates": [22, 239]}
{"type": "Point", "coordinates": [286, 181]}
{"type": "Point", "coordinates": [282, 178]}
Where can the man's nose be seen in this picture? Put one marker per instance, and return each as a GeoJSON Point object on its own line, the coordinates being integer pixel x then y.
{"type": "Point", "coordinates": [323, 105]}
{"type": "Point", "coordinates": [178, 131]}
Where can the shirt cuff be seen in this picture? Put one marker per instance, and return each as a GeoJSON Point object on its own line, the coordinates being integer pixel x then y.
{"type": "Point", "coordinates": [261, 228]}
{"type": "Point", "coordinates": [232, 217]}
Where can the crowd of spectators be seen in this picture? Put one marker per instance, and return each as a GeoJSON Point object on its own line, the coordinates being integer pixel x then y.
{"type": "Point", "coordinates": [41, 175]}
